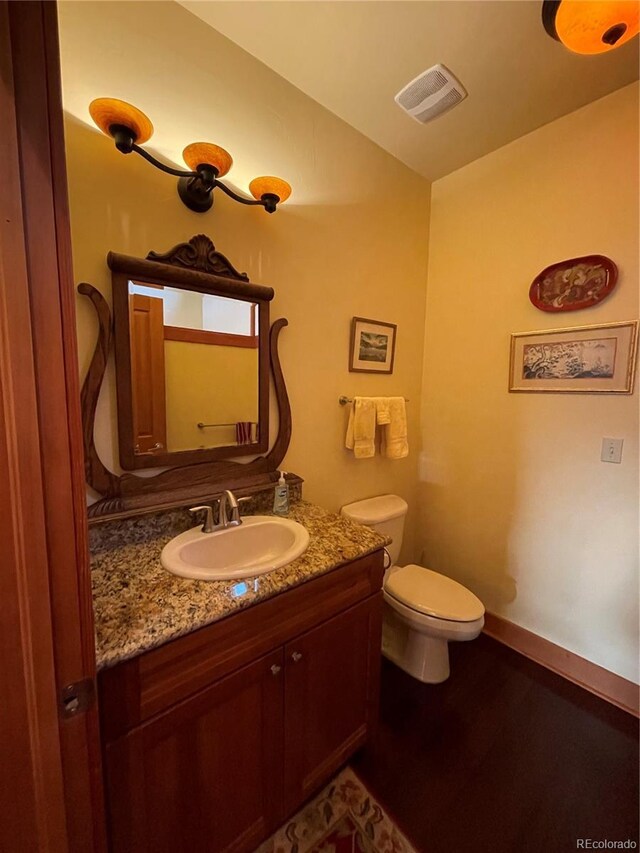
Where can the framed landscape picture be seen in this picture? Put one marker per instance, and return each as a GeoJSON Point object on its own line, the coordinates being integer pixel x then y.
{"type": "Point", "coordinates": [587, 359]}
{"type": "Point", "coordinates": [373, 346]}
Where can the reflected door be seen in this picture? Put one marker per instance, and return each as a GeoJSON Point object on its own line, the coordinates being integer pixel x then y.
{"type": "Point", "coordinates": [146, 319]}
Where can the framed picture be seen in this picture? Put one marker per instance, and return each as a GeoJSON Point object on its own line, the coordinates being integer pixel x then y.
{"type": "Point", "coordinates": [586, 359]}
{"type": "Point", "coordinates": [373, 346]}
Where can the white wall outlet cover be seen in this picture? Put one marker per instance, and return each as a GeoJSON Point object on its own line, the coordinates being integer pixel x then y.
{"type": "Point", "coordinates": [611, 450]}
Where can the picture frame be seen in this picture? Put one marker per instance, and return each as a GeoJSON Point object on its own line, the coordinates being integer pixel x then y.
{"type": "Point", "coordinates": [584, 359]}
{"type": "Point", "coordinates": [372, 347]}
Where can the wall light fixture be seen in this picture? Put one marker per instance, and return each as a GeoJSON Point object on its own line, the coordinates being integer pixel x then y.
{"type": "Point", "coordinates": [130, 128]}
{"type": "Point", "coordinates": [591, 26]}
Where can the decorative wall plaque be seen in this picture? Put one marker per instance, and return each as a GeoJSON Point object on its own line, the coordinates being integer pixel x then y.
{"type": "Point", "coordinates": [573, 284]}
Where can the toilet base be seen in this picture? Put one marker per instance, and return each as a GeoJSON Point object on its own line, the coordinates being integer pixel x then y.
{"type": "Point", "coordinates": [419, 655]}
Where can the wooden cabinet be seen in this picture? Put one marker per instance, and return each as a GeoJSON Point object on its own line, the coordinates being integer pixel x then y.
{"type": "Point", "coordinates": [200, 776]}
{"type": "Point", "coordinates": [210, 757]}
{"type": "Point", "coordinates": [330, 693]}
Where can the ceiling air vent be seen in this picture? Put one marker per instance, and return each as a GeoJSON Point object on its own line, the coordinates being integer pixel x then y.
{"type": "Point", "coordinates": [432, 93]}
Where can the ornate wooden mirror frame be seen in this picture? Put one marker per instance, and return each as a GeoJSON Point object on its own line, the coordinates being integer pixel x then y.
{"type": "Point", "coordinates": [226, 282]}
{"type": "Point", "coordinates": [195, 265]}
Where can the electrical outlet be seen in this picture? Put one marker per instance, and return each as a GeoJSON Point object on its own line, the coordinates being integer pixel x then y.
{"type": "Point", "coordinates": [611, 450]}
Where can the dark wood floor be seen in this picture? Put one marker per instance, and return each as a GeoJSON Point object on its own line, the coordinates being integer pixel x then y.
{"type": "Point", "coordinates": [504, 757]}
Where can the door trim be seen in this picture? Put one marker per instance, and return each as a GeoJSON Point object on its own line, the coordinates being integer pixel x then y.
{"type": "Point", "coordinates": [37, 267]}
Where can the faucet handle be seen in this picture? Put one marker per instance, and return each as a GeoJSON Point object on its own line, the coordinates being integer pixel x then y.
{"type": "Point", "coordinates": [208, 525]}
{"type": "Point", "coordinates": [236, 511]}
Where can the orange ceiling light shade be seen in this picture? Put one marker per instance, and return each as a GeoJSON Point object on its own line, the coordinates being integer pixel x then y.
{"type": "Point", "coordinates": [205, 153]}
{"type": "Point", "coordinates": [591, 26]}
{"type": "Point", "coordinates": [268, 185]}
{"type": "Point", "coordinates": [110, 112]}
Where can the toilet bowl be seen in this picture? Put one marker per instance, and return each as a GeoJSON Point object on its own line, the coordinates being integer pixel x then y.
{"type": "Point", "coordinates": [423, 610]}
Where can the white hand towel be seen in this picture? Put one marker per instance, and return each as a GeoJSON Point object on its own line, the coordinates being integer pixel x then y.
{"type": "Point", "coordinates": [394, 436]}
{"type": "Point", "coordinates": [361, 429]}
{"type": "Point", "coordinates": [383, 413]}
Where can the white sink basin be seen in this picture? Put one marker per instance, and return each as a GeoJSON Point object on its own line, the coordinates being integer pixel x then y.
{"type": "Point", "coordinates": [258, 545]}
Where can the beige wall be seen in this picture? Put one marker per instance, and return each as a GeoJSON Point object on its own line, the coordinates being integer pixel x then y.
{"type": "Point", "coordinates": [351, 241]}
{"type": "Point", "coordinates": [207, 383]}
{"type": "Point", "coordinates": [515, 502]}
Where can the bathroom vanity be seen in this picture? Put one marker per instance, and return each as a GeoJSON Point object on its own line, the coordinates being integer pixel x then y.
{"type": "Point", "coordinates": [224, 704]}
{"type": "Point", "coordinates": [214, 738]}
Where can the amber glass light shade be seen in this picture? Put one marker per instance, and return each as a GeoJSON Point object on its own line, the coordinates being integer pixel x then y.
{"type": "Point", "coordinates": [595, 26]}
{"type": "Point", "coordinates": [267, 185]}
{"type": "Point", "coordinates": [109, 111]}
{"type": "Point", "coordinates": [201, 153]}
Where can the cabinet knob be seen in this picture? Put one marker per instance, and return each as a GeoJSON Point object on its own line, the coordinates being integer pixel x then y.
{"type": "Point", "coordinates": [296, 656]}
{"type": "Point", "coordinates": [275, 669]}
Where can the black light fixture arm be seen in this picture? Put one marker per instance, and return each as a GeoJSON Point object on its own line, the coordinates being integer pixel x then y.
{"type": "Point", "coordinates": [178, 173]}
{"type": "Point", "coordinates": [268, 201]}
{"type": "Point", "coordinates": [126, 143]}
{"type": "Point", "coordinates": [235, 195]}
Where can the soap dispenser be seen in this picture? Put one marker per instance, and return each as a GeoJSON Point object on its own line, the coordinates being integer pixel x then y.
{"type": "Point", "coordinates": [281, 497]}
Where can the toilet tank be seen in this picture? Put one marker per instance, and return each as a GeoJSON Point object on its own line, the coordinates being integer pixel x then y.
{"type": "Point", "coordinates": [385, 514]}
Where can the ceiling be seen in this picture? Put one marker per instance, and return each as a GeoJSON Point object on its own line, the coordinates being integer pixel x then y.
{"type": "Point", "coordinates": [353, 57]}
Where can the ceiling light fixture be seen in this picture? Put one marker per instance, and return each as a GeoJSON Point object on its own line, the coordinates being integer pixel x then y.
{"type": "Point", "coordinates": [130, 127]}
{"type": "Point", "coordinates": [591, 26]}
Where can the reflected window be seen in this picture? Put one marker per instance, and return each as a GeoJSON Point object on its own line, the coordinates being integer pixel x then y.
{"type": "Point", "coordinates": [186, 309]}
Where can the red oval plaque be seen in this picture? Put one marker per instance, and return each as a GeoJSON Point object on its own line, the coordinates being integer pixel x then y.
{"type": "Point", "coordinates": [577, 283]}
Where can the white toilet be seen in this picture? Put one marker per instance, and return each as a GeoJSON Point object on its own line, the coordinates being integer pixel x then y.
{"type": "Point", "coordinates": [423, 610]}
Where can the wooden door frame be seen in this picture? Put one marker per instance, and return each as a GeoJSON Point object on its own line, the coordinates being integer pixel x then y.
{"type": "Point", "coordinates": [46, 627]}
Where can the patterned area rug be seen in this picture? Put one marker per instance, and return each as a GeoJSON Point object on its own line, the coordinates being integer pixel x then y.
{"type": "Point", "coordinates": [343, 818]}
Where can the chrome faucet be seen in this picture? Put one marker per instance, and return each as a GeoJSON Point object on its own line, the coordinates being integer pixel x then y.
{"type": "Point", "coordinates": [228, 513]}
{"type": "Point", "coordinates": [229, 510]}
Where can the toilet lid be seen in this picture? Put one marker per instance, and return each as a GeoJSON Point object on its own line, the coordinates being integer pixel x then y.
{"type": "Point", "coordinates": [434, 594]}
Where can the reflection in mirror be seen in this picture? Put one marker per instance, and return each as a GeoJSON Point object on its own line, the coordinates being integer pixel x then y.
{"type": "Point", "coordinates": [194, 369]}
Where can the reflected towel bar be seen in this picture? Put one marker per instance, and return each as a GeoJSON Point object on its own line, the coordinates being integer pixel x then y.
{"type": "Point", "coordinates": [200, 425]}
{"type": "Point", "coordinates": [344, 400]}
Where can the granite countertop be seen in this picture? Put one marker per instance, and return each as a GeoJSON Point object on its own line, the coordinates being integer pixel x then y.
{"type": "Point", "coordinates": [138, 605]}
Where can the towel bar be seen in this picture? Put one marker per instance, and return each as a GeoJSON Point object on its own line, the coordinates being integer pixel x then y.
{"type": "Point", "coordinates": [344, 400]}
{"type": "Point", "coordinates": [200, 425]}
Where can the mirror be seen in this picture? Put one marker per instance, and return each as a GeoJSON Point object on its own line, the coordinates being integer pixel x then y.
{"type": "Point", "coordinates": [191, 362]}
{"type": "Point", "coordinates": [183, 346]}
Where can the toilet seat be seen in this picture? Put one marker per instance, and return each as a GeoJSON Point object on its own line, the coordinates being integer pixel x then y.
{"type": "Point", "coordinates": [432, 594]}
{"type": "Point", "coordinates": [431, 626]}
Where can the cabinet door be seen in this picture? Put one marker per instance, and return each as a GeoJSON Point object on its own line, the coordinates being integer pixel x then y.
{"type": "Point", "coordinates": [205, 776]}
{"type": "Point", "coordinates": [331, 696]}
